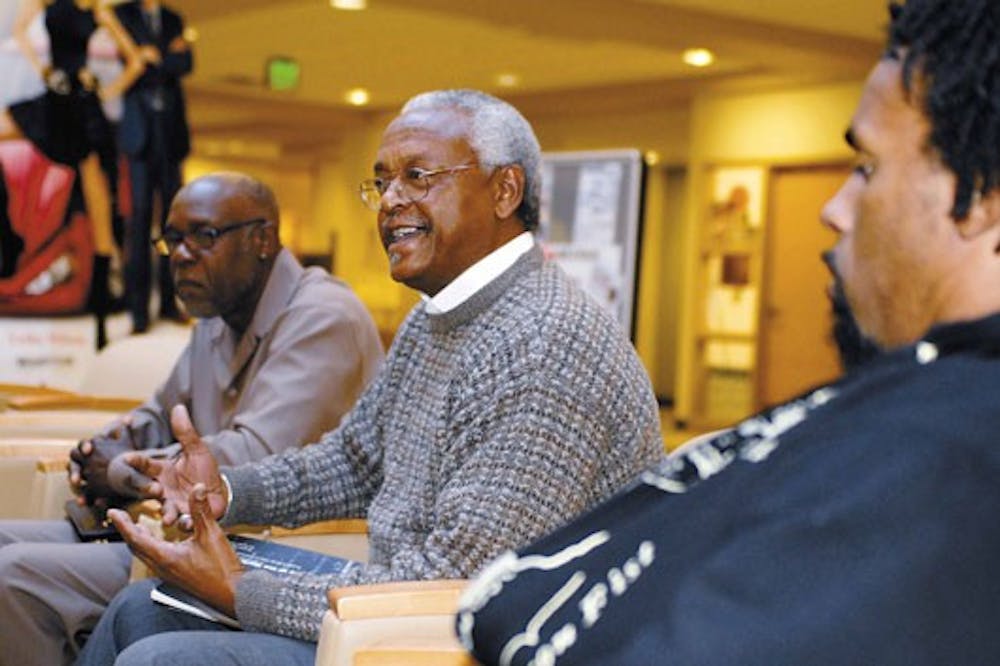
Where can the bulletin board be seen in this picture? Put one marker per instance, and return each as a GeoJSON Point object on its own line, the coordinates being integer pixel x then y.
{"type": "Point", "coordinates": [591, 217]}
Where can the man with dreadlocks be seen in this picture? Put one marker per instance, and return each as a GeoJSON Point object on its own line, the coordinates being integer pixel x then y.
{"type": "Point", "coordinates": [859, 522]}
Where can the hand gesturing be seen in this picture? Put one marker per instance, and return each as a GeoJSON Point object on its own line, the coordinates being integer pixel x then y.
{"type": "Point", "coordinates": [174, 479]}
{"type": "Point", "coordinates": [204, 565]}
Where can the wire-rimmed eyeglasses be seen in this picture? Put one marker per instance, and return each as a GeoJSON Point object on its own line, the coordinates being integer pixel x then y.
{"type": "Point", "coordinates": [199, 238]}
{"type": "Point", "coordinates": [413, 184]}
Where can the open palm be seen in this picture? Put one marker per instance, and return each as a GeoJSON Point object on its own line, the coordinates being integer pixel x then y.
{"type": "Point", "coordinates": [174, 479]}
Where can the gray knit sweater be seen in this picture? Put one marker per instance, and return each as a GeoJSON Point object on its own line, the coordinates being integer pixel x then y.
{"type": "Point", "coordinates": [488, 426]}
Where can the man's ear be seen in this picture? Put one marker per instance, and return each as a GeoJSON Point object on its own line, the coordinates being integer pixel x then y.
{"type": "Point", "coordinates": [983, 217]}
{"type": "Point", "coordinates": [266, 240]}
{"type": "Point", "coordinates": [508, 190]}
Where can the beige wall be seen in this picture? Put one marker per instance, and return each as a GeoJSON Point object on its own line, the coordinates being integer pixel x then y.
{"type": "Point", "coordinates": [359, 258]}
{"type": "Point", "coordinates": [799, 126]}
{"type": "Point", "coordinates": [294, 188]}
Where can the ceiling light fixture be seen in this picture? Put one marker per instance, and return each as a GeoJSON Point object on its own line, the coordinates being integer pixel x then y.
{"type": "Point", "coordinates": [349, 5]}
{"type": "Point", "coordinates": [698, 57]}
{"type": "Point", "coordinates": [508, 80]}
{"type": "Point", "coordinates": [357, 96]}
{"type": "Point", "coordinates": [190, 35]}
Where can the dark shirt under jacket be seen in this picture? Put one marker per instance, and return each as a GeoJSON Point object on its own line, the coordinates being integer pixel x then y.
{"type": "Point", "coordinates": [857, 524]}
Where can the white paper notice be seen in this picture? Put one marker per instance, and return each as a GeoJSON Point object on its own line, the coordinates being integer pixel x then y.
{"type": "Point", "coordinates": [596, 269]}
{"type": "Point", "coordinates": [597, 202]}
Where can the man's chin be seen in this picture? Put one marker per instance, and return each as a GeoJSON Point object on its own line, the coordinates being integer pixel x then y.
{"type": "Point", "coordinates": [402, 270]}
{"type": "Point", "coordinates": [853, 346]}
{"type": "Point", "coordinates": [199, 310]}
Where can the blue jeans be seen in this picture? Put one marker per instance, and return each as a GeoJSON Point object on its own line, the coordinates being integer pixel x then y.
{"type": "Point", "coordinates": [135, 630]}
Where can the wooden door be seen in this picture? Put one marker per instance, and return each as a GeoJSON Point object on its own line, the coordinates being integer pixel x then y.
{"type": "Point", "coordinates": [796, 348]}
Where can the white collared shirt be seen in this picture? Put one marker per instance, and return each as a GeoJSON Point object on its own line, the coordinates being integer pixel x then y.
{"type": "Point", "coordinates": [478, 275]}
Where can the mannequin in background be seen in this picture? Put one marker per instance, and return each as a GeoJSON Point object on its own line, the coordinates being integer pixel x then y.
{"type": "Point", "coordinates": [67, 123]}
{"type": "Point", "coordinates": [154, 135]}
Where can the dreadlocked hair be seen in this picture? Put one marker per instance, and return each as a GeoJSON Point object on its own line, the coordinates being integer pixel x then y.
{"type": "Point", "coordinates": [953, 48]}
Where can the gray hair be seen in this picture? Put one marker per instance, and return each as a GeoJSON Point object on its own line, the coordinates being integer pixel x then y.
{"type": "Point", "coordinates": [499, 134]}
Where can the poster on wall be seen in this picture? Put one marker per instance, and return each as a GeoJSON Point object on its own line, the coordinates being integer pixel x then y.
{"type": "Point", "coordinates": [591, 212]}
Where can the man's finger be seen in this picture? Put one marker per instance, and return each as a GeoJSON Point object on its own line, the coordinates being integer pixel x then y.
{"type": "Point", "coordinates": [203, 522]}
{"type": "Point", "coordinates": [137, 537]}
{"type": "Point", "coordinates": [180, 423]}
{"type": "Point", "coordinates": [80, 452]}
{"type": "Point", "coordinates": [172, 512]}
{"type": "Point", "coordinates": [75, 477]}
{"type": "Point", "coordinates": [146, 465]}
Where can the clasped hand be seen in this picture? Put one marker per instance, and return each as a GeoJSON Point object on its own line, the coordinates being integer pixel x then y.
{"type": "Point", "coordinates": [89, 461]}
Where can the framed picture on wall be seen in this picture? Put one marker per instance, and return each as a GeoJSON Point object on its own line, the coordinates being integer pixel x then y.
{"type": "Point", "coordinates": [730, 277]}
{"type": "Point", "coordinates": [737, 207]}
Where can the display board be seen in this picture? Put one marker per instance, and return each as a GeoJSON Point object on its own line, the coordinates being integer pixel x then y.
{"type": "Point", "coordinates": [591, 223]}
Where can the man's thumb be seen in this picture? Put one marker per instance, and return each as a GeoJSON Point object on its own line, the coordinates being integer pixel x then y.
{"type": "Point", "coordinates": [180, 423]}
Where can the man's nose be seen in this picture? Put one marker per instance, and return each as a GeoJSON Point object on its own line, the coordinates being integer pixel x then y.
{"type": "Point", "coordinates": [182, 253]}
{"type": "Point", "coordinates": [838, 213]}
{"type": "Point", "coordinates": [394, 196]}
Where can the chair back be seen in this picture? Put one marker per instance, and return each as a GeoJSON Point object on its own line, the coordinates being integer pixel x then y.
{"type": "Point", "coordinates": [135, 366]}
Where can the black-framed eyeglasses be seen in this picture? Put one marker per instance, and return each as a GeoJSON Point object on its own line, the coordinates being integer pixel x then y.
{"type": "Point", "coordinates": [199, 238]}
{"type": "Point", "coordinates": [413, 184]}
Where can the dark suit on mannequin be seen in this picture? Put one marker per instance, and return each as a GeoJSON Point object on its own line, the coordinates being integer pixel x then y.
{"type": "Point", "coordinates": [154, 136]}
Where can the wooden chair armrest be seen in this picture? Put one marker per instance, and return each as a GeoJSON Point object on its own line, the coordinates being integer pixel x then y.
{"type": "Point", "coordinates": [400, 599]}
{"type": "Point", "coordinates": [65, 400]}
{"type": "Point", "coordinates": [413, 652]}
{"type": "Point", "coordinates": [8, 389]}
{"type": "Point", "coordinates": [54, 448]}
{"type": "Point", "coordinates": [52, 464]}
{"type": "Point", "coordinates": [338, 526]}
{"type": "Point", "coordinates": [321, 528]}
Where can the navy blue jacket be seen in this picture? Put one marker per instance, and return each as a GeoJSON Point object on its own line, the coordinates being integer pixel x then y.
{"type": "Point", "coordinates": [858, 524]}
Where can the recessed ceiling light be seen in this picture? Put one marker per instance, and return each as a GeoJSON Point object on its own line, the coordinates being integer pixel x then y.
{"type": "Point", "coordinates": [508, 80]}
{"type": "Point", "coordinates": [190, 34]}
{"type": "Point", "coordinates": [357, 97]}
{"type": "Point", "coordinates": [652, 158]}
{"type": "Point", "coordinates": [349, 5]}
{"type": "Point", "coordinates": [698, 57]}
